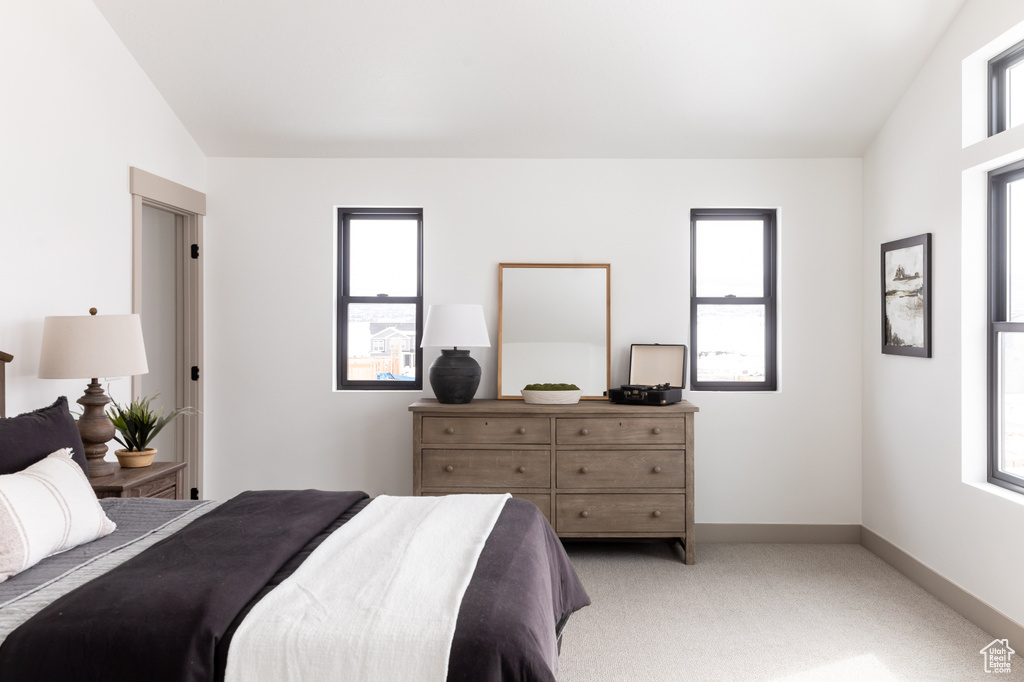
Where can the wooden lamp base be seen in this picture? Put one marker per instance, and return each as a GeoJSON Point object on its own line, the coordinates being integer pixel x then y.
{"type": "Point", "coordinates": [96, 430]}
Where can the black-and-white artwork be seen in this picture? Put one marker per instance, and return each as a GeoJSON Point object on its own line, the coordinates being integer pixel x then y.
{"type": "Point", "coordinates": [906, 296]}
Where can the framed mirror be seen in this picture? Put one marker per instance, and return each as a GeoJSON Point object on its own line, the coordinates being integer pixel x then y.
{"type": "Point", "coordinates": [554, 325]}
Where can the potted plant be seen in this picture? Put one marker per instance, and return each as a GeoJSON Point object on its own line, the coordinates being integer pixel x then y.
{"type": "Point", "coordinates": [138, 425]}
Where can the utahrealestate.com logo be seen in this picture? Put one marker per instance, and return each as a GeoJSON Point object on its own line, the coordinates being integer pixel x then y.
{"type": "Point", "coordinates": [997, 656]}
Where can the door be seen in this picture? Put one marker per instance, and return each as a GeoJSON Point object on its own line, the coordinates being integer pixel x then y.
{"type": "Point", "coordinates": [167, 292]}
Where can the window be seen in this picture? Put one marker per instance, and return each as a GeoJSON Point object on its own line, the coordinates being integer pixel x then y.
{"type": "Point", "coordinates": [1006, 90]}
{"type": "Point", "coordinates": [380, 298]}
{"type": "Point", "coordinates": [732, 299]}
{"type": "Point", "coordinates": [1006, 329]}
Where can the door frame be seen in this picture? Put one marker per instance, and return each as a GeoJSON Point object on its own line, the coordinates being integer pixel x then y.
{"type": "Point", "coordinates": [189, 209]}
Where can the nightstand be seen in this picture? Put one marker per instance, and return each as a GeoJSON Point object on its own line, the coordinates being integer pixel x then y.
{"type": "Point", "coordinates": [160, 479]}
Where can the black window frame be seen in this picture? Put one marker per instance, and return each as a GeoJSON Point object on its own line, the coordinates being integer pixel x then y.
{"type": "Point", "coordinates": [999, 313]}
{"type": "Point", "coordinates": [769, 218]}
{"type": "Point", "coordinates": [998, 86]}
{"type": "Point", "coordinates": [345, 215]}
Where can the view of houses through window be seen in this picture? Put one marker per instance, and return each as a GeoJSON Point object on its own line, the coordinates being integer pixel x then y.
{"type": "Point", "coordinates": [381, 342]}
{"type": "Point", "coordinates": [380, 298]}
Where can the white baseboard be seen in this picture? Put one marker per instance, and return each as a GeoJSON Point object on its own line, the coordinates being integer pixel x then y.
{"type": "Point", "coordinates": [786, 533]}
{"type": "Point", "coordinates": [982, 614]}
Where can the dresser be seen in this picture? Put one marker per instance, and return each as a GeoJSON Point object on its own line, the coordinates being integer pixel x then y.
{"type": "Point", "coordinates": [595, 469]}
{"type": "Point", "coordinates": [160, 479]}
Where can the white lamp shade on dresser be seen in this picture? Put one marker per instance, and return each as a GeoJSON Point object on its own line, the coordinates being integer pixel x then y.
{"type": "Point", "coordinates": [92, 346]}
{"type": "Point", "coordinates": [450, 325]}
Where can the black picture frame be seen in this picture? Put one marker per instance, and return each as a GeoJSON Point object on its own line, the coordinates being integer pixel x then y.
{"type": "Point", "coordinates": [906, 269]}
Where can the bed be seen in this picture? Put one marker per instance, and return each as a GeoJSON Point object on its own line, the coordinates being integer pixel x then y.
{"type": "Point", "coordinates": [279, 584]}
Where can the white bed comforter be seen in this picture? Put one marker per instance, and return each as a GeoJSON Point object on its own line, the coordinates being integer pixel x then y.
{"type": "Point", "coordinates": [378, 600]}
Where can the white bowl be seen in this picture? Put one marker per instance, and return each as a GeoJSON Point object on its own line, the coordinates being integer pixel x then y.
{"type": "Point", "coordinates": [551, 397]}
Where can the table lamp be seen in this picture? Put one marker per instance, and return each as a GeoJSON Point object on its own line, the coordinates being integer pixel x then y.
{"type": "Point", "coordinates": [454, 375]}
{"type": "Point", "coordinates": [88, 347]}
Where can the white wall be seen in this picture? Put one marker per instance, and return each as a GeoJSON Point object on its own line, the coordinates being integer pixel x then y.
{"type": "Point", "coordinates": [77, 112]}
{"type": "Point", "coordinates": [84, 112]}
{"type": "Point", "coordinates": [274, 421]}
{"type": "Point", "coordinates": [924, 456]}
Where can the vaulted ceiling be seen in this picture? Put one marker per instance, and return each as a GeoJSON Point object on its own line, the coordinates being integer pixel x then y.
{"type": "Point", "coordinates": [531, 78]}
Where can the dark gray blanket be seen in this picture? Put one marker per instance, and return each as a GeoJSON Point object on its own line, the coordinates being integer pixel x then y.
{"type": "Point", "coordinates": [522, 593]}
{"type": "Point", "coordinates": [161, 614]}
{"type": "Point", "coordinates": [134, 517]}
{"type": "Point", "coordinates": [169, 613]}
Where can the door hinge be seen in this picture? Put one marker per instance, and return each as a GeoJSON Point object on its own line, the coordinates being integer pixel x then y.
{"type": "Point", "coordinates": [195, 373]}
{"type": "Point", "coordinates": [195, 251]}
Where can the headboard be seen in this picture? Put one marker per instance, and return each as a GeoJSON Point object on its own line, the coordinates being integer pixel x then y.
{"type": "Point", "coordinates": [4, 359]}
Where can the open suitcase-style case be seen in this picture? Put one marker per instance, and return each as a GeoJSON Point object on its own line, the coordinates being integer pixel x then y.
{"type": "Point", "coordinates": [657, 375]}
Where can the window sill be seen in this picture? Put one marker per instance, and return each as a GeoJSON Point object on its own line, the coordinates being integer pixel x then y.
{"type": "Point", "coordinates": [998, 491]}
{"type": "Point", "coordinates": [364, 391]}
{"type": "Point", "coordinates": [699, 391]}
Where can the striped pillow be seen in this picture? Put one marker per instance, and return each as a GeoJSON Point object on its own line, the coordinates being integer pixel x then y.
{"type": "Point", "coordinates": [45, 509]}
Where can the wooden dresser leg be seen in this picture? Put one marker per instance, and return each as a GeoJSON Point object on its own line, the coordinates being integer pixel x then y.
{"type": "Point", "coordinates": [688, 551]}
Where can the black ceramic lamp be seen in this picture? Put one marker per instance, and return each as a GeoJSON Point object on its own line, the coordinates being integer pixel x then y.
{"type": "Point", "coordinates": [454, 375]}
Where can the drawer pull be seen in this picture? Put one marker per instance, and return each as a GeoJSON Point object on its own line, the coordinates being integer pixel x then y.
{"type": "Point", "coordinates": [449, 430]}
{"type": "Point", "coordinates": [656, 514]}
{"type": "Point", "coordinates": [584, 432]}
{"type": "Point", "coordinates": [656, 430]}
{"type": "Point", "coordinates": [657, 470]}
{"type": "Point", "coordinates": [584, 514]}
{"type": "Point", "coordinates": [583, 470]}
{"type": "Point", "coordinates": [449, 468]}
{"type": "Point", "coordinates": [522, 470]}
{"type": "Point", "coordinates": [521, 430]}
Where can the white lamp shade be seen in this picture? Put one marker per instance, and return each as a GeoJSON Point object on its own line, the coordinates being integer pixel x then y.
{"type": "Point", "coordinates": [92, 346]}
{"type": "Point", "coordinates": [451, 325]}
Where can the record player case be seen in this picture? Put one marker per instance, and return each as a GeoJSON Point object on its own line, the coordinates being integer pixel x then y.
{"type": "Point", "coordinates": [657, 375]}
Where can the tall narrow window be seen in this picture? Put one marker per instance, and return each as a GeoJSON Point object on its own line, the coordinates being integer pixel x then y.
{"type": "Point", "coordinates": [733, 299]}
{"type": "Point", "coordinates": [1006, 330]}
{"type": "Point", "coordinates": [380, 298]}
{"type": "Point", "coordinates": [1006, 89]}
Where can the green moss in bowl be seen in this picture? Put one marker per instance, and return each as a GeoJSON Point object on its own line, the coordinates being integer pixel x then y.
{"type": "Point", "coordinates": [551, 387]}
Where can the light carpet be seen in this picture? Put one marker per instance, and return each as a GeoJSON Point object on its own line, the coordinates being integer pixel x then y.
{"type": "Point", "coordinates": [762, 612]}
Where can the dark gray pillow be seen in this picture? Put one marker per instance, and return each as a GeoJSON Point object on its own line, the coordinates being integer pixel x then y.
{"type": "Point", "coordinates": [29, 437]}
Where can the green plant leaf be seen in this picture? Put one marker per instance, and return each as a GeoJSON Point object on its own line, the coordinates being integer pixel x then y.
{"type": "Point", "coordinates": [138, 424]}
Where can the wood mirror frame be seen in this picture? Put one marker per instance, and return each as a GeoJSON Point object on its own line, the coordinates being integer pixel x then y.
{"type": "Point", "coordinates": [554, 326]}
{"type": "Point", "coordinates": [4, 359]}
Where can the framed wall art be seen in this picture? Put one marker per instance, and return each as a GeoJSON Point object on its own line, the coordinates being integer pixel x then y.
{"type": "Point", "coordinates": [907, 296]}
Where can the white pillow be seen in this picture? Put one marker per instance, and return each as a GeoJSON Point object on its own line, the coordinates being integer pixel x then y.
{"type": "Point", "coordinates": [47, 508]}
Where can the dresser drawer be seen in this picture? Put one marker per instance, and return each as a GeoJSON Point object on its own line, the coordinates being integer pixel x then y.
{"type": "Point", "coordinates": [512, 430]}
{"type": "Point", "coordinates": [621, 469]}
{"type": "Point", "coordinates": [164, 488]}
{"type": "Point", "coordinates": [169, 494]}
{"type": "Point", "coordinates": [620, 513]}
{"type": "Point", "coordinates": [621, 431]}
{"type": "Point", "coordinates": [486, 468]}
{"type": "Point", "coordinates": [540, 500]}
